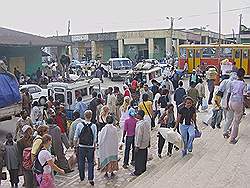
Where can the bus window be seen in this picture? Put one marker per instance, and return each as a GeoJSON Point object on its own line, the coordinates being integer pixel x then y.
{"type": "Point", "coordinates": [183, 53]}
{"type": "Point", "coordinates": [190, 53]}
{"type": "Point", "coordinates": [237, 53]}
{"type": "Point", "coordinates": [60, 97]}
{"type": "Point", "coordinates": [198, 54]}
{"type": "Point", "coordinates": [69, 97]}
{"type": "Point", "coordinates": [245, 54]}
{"type": "Point", "coordinates": [208, 52]}
{"type": "Point", "coordinates": [226, 52]}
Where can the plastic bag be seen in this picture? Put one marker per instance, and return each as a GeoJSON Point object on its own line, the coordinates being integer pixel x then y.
{"type": "Point", "coordinates": [171, 136]}
{"type": "Point", "coordinates": [204, 104]}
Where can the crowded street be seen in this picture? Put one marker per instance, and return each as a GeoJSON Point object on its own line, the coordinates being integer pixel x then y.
{"type": "Point", "coordinates": [125, 94]}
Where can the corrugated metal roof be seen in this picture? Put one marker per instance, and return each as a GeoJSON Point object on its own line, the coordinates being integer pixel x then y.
{"type": "Point", "coordinates": [16, 38]}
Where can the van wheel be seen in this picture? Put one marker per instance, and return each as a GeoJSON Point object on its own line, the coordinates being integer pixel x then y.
{"type": "Point", "coordinates": [42, 101]}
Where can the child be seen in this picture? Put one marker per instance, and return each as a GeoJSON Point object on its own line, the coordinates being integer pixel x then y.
{"type": "Point", "coordinates": [168, 121]}
{"type": "Point", "coordinates": [11, 160]}
{"type": "Point", "coordinates": [217, 110]}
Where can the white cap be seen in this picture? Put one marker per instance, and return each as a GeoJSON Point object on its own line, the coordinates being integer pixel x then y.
{"type": "Point", "coordinates": [25, 128]}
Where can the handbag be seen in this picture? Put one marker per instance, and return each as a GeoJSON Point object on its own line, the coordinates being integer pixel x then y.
{"type": "Point", "coordinates": [152, 119]}
{"type": "Point", "coordinates": [198, 133]}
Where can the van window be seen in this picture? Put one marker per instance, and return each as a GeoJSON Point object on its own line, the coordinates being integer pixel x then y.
{"type": "Point", "coordinates": [91, 89]}
{"type": "Point", "coordinates": [59, 90]}
{"type": "Point", "coordinates": [237, 53]}
{"type": "Point", "coordinates": [158, 73]}
{"type": "Point", "coordinates": [69, 97]}
{"type": "Point", "coordinates": [183, 53]}
{"type": "Point", "coordinates": [84, 92]}
{"type": "Point", "coordinates": [60, 97]}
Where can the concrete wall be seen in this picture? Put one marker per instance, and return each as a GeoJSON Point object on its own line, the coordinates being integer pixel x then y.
{"type": "Point", "coordinates": [159, 48]}
{"type": "Point", "coordinates": [32, 56]}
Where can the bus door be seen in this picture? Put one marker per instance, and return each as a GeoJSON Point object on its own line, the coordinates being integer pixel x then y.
{"type": "Point", "coordinates": [237, 57]}
{"type": "Point", "coordinates": [245, 62]}
{"type": "Point", "coordinates": [191, 60]}
{"type": "Point", "coordinates": [197, 57]}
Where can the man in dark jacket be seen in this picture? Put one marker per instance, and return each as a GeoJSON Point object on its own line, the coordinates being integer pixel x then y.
{"type": "Point", "coordinates": [57, 146]}
{"type": "Point", "coordinates": [93, 107]}
{"type": "Point", "coordinates": [179, 93]}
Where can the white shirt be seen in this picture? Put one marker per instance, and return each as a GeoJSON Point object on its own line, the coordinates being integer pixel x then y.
{"type": "Point", "coordinates": [43, 157]}
{"type": "Point", "coordinates": [155, 102]}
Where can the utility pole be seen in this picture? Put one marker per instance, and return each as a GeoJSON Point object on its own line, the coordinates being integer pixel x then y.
{"type": "Point", "coordinates": [219, 32]}
{"type": "Point", "coordinates": [68, 27]}
{"type": "Point", "coordinates": [172, 19]}
{"type": "Point", "coordinates": [239, 39]}
{"type": "Point", "coordinates": [233, 36]}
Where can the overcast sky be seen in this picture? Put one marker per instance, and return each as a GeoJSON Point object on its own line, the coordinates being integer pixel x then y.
{"type": "Point", "coordinates": [45, 17]}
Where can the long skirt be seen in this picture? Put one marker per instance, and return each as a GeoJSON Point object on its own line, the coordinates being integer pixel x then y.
{"type": "Point", "coordinates": [45, 181]}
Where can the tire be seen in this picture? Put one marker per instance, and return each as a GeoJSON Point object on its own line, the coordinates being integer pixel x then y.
{"type": "Point", "coordinates": [42, 101]}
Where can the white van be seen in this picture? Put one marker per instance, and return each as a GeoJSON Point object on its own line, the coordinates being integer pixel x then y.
{"type": "Point", "coordinates": [145, 76]}
{"type": "Point", "coordinates": [67, 93]}
{"type": "Point", "coordinates": [118, 67]}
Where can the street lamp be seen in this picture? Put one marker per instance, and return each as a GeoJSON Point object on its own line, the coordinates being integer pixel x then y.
{"type": "Point", "coordinates": [172, 19]}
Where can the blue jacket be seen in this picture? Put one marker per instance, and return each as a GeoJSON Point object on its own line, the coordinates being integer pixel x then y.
{"type": "Point", "coordinates": [180, 92]}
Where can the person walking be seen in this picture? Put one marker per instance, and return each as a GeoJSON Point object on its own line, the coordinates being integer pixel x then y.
{"type": "Point", "coordinates": [57, 146]}
{"type": "Point", "coordinates": [77, 119]}
{"type": "Point", "coordinates": [210, 85]}
{"type": "Point", "coordinates": [236, 102]}
{"type": "Point", "coordinates": [108, 146]}
{"type": "Point", "coordinates": [36, 114]}
{"type": "Point", "coordinates": [167, 120]}
{"type": "Point", "coordinates": [193, 93]}
{"type": "Point", "coordinates": [224, 87]}
{"type": "Point", "coordinates": [60, 120]}
{"type": "Point", "coordinates": [217, 111]}
{"type": "Point", "coordinates": [80, 107]}
{"type": "Point", "coordinates": [193, 78]}
{"type": "Point", "coordinates": [119, 102]}
{"type": "Point", "coordinates": [24, 146]}
{"type": "Point", "coordinates": [142, 143]}
{"type": "Point", "coordinates": [111, 101]}
{"type": "Point", "coordinates": [37, 142]}
{"type": "Point", "coordinates": [93, 106]}
{"type": "Point", "coordinates": [146, 90]}
{"type": "Point", "coordinates": [12, 160]}
{"type": "Point", "coordinates": [129, 132]}
{"type": "Point", "coordinates": [44, 162]}
{"type": "Point", "coordinates": [147, 106]}
{"type": "Point", "coordinates": [85, 141]}
{"type": "Point", "coordinates": [201, 90]}
{"type": "Point", "coordinates": [180, 92]}
{"type": "Point", "coordinates": [124, 111]}
{"type": "Point", "coordinates": [22, 121]}
{"type": "Point", "coordinates": [187, 118]}
{"type": "Point", "coordinates": [163, 100]}
{"type": "Point", "coordinates": [101, 123]}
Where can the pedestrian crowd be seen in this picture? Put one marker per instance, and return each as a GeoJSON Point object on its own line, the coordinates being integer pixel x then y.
{"type": "Point", "coordinates": [43, 134]}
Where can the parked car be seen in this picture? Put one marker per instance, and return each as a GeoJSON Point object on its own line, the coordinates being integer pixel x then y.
{"type": "Point", "coordinates": [38, 94]}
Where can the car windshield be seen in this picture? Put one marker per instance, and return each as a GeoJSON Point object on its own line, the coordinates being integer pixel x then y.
{"type": "Point", "coordinates": [122, 64]}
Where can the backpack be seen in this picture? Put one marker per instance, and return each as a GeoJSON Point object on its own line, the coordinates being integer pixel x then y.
{"type": "Point", "coordinates": [37, 167]}
{"type": "Point", "coordinates": [86, 135]}
{"type": "Point", "coordinates": [27, 162]}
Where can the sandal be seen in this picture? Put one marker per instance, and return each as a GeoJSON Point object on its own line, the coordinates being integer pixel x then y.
{"type": "Point", "coordinates": [234, 141]}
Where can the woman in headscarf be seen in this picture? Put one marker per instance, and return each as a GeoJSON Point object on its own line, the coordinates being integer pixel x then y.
{"type": "Point", "coordinates": [124, 111]}
{"type": "Point", "coordinates": [108, 148]}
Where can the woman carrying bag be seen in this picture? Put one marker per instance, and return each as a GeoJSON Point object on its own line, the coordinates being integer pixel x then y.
{"type": "Point", "coordinates": [187, 118]}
